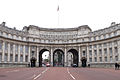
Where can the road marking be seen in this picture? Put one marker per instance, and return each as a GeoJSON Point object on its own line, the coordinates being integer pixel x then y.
{"type": "Point", "coordinates": [12, 71]}
{"type": "Point", "coordinates": [40, 74]}
{"type": "Point", "coordinates": [70, 74]}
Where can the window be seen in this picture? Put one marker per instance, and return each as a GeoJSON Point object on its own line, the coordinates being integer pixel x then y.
{"type": "Point", "coordinates": [16, 58]}
{"type": "Point", "coordinates": [99, 45]}
{"type": "Point", "coordinates": [83, 53]}
{"type": "Point", "coordinates": [115, 33]}
{"type": "Point", "coordinates": [109, 35]}
{"type": "Point", "coordinates": [90, 52]}
{"type": "Point", "coordinates": [90, 59]}
{"type": "Point", "coordinates": [95, 52]}
{"type": "Point", "coordinates": [89, 39]}
{"type": "Point", "coordinates": [11, 57]}
{"type": "Point", "coordinates": [110, 50]}
{"type": "Point", "coordinates": [116, 58]}
{"type": "Point", "coordinates": [5, 58]}
{"type": "Point", "coordinates": [90, 46]}
{"type": "Point", "coordinates": [105, 44]}
{"type": "Point", "coordinates": [95, 59]}
{"type": "Point", "coordinates": [11, 47]}
{"type": "Point", "coordinates": [116, 50]}
{"type": "Point", "coordinates": [100, 59]}
{"type": "Point", "coordinates": [16, 49]}
{"type": "Point", "coordinates": [95, 46]}
{"type": "Point", "coordinates": [110, 58]}
{"type": "Point", "coordinates": [100, 51]}
{"type": "Point", "coordinates": [104, 36]}
{"type": "Point", "coordinates": [21, 49]}
{"type": "Point", "coordinates": [99, 37]}
{"type": "Point", "coordinates": [0, 57]}
{"type": "Point", "coordinates": [0, 44]}
{"type": "Point", "coordinates": [94, 38]}
{"type": "Point", "coordinates": [6, 46]}
{"type": "Point", "coordinates": [105, 59]}
{"type": "Point", "coordinates": [21, 58]}
{"type": "Point", "coordinates": [105, 51]}
{"type": "Point", "coordinates": [26, 49]}
{"type": "Point", "coordinates": [26, 58]}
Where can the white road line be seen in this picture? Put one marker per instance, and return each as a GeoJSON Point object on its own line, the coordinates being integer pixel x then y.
{"type": "Point", "coordinates": [12, 71]}
{"type": "Point", "coordinates": [70, 74]}
{"type": "Point", "coordinates": [40, 74]}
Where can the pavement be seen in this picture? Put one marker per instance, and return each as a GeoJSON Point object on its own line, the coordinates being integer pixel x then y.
{"type": "Point", "coordinates": [59, 73]}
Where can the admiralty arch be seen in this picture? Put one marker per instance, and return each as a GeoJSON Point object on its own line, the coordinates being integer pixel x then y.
{"type": "Point", "coordinates": [81, 45]}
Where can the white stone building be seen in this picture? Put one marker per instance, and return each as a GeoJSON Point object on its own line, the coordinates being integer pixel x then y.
{"type": "Point", "coordinates": [99, 48]}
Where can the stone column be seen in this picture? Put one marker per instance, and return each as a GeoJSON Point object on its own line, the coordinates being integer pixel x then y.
{"type": "Point", "coordinates": [37, 63]}
{"type": "Point", "coordinates": [51, 51]}
{"type": "Point", "coordinates": [119, 50]}
{"type": "Point", "coordinates": [103, 54]}
{"type": "Point", "coordinates": [3, 51]}
{"type": "Point", "coordinates": [79, 57]}
{"type": "Point", "coordinates": [23, 53]}
{"type": "Point", "coordinates": [88, 61]}
{"type": "Point", "coordinates": [13, 52]}
{"type": "Point", "coordinates": [108, 53]}
{"type": "Point", "coordinates": [113, 51]}
{"type": "Point", "coordinates": [93, 54]}
{"type": "Point", "coordinates": [29, 53]}
{"type": "Point", "coordinates": [98, 55]}
{"type": "Point", "coordinates": [18, 53]}
{"type": "Point", "coordinates": [8, 52]}
{"type": "Point", "coordinates": [65, 62]}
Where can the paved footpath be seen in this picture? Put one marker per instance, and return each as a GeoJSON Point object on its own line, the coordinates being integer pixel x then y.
{"type": "Point", "coordinates": [59, 73]}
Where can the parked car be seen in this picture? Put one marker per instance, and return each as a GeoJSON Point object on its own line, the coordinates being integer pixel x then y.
{"type": "Point", "coordinates": [47, 65]}
{"type": "Point", "coordinates": [74, 65]}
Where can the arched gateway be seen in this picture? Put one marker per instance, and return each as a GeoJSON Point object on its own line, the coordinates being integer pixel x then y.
{"type": "Point", "coordinates": [66, 46]}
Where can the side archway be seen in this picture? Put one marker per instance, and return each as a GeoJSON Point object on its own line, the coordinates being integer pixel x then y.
{"type": "Point", "coordinates": [58, 58]}
{"type": "Point", "coordinates": [41, 61]}
{"type": "Point", "coordinates": [74, 57]}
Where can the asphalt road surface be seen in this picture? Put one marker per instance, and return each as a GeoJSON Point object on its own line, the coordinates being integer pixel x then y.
{"type": "Point", "coordinates": [59, 73]}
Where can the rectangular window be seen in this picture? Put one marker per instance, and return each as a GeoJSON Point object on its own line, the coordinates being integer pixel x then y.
{"type": "Point", "coordinates": [6, 46]}
{"type": "Point", "coordinates": [0, 44]}
{"type": "Point", "coordinates": [110, 50]}
{"type": "Point", "coordinates": [105, 59]}
{"type": "Point", "coordinates": [26, 58]}
{"type": "Point", "coordinates": [90, 52]}
{"type": "Point", "coordinates": [95, 46]}
{"type": "Point", "coordinates": [100, 51]}
{"type": "Point", "coordinates": [0, 57]}
{"type": "Point", "coordinates": [110, 58]}
{"type": "Point", "coordinates": [21, 49]}
{"type": "Point", "coordinates": [16, 58]}
{"type": "Point", "coordinates": [90, 46]}
{"type": "Point", "coordinates": [5, 57]}
{"type": "Point", "coordinates": [11, 57]}
{"type": "Point", "coordinates": [90, 59]}
{"type": "Point", "coordinates": [116, 50]}
{"type": "Point", "coordinates": [100, 59]}
{"type": "Point", "coordinates": [21, 58]}
{"type": "Point", "coordinates": [11, 48]}
{"type": "Point", "coordinates": [116, 58]}
{"type": "Point", "coordinates": [95, 59]}
{"type": "Point", "coordinates": [95, 52]}
{"type": "Point", "coordinates": [16, 49]}
{"type": "Point", "coordinates": [105, 51]}
{"type": "Point", "coordinates": [26, 49]}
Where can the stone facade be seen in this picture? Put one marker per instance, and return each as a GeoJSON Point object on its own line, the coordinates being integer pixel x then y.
{"type": "Point", "coordinates": [101, 48]}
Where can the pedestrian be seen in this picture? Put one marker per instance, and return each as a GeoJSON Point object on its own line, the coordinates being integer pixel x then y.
{"type": "Point", "coordinates": [116, 65]}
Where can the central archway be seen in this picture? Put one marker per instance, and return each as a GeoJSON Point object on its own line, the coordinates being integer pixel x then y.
{"type": "Point", "coordinates": [75, 56]}
{"type": "Point", "coordinates": [43, 61]}
{"type": "Point", "coordinates": [58, 58]}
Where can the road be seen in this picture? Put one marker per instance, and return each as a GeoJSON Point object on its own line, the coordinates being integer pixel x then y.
{"type": "Point", "coordinates": [59, 73]}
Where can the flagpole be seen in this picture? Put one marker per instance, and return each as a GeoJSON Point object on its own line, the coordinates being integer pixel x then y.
{"type": "Point", "coordinates": [58, 14]}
